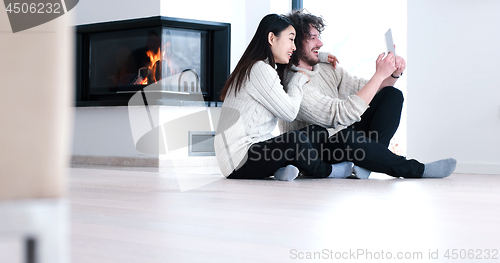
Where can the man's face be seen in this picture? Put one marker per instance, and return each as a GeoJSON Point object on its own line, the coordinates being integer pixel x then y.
{"type": "Point", "coordinates": [310, 47]}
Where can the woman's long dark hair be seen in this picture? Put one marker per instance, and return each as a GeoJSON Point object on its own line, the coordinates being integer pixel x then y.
{"type": "Point", "coordinates": [258, 49]}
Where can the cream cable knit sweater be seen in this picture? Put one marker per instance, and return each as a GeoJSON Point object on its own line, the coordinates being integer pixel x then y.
{"type": "Point", "coordinates": [251, 115]}
{"type": "Point", "coordinates": [329, 98]}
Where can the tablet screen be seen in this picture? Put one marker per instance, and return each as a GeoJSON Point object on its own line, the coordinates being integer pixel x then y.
{"type": "Point", "coordinates": [389, 42]}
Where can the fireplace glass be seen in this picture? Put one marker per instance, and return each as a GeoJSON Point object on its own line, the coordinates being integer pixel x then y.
{"type": "Point", "coordinates": [127, 61]}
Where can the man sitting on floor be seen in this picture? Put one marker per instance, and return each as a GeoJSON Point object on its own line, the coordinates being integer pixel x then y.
{"type": "Point", "coordinates": [362, 115]}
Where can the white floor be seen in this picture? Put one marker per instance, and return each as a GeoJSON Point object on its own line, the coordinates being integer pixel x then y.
{"type": "Point", "coordinates": [141, 215]}
{"type": "Point", "coordinates": [194, 215]}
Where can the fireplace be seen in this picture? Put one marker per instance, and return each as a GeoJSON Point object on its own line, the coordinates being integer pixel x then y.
{"type": "Point", "coordinates": [177, 59]}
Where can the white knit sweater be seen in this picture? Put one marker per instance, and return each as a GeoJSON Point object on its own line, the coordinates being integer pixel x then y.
{"type": "Point", "coordinates": [329, 98]}
{"type": "Point", "coordinates": [251, 115]}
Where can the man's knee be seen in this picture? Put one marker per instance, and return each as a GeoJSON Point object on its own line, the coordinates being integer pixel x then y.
{"type": "Point", "coordinates": [394, 94]}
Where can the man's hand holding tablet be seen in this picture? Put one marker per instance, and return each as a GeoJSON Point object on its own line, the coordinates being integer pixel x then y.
{"type": "Point", "coordinates": [399, 61]}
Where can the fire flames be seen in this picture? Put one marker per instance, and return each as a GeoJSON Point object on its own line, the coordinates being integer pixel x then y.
{"type": "Point", "coordinates": [153, 66]}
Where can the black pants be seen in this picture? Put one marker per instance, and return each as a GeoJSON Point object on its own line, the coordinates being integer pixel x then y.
{"type": "Point", "coordinates": [298, 148]}
{"type": "Point", "coordinates": [365, 143]}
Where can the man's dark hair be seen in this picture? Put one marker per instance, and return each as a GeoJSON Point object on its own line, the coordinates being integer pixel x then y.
{"type": "Point", "coordinates": [302, 21]}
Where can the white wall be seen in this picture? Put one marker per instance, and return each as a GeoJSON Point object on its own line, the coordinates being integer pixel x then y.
{"type": "Point", "coordinates": [103, 131]}
{"type": "Point", "coordinates": [94, 11]}
{"type": "Point", "coordinates": [453, 88]}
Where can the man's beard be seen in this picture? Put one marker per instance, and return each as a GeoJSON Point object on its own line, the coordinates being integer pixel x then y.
{"type": "Point", "coordinates": [309, 59]}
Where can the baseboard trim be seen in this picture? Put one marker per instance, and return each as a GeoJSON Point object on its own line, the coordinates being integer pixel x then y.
{"type": "Point", "coordinates": [161, 162]}
{"type": "Point", "coordinates": [469, 168]}
{"type": "Point", "coordinates": [192, 161]}
{"type": "Point", "coordinates": [115, 161]}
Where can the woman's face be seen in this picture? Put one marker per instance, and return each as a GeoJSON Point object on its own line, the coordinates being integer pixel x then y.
{"type": "Point", "coordinates": [283, 45]}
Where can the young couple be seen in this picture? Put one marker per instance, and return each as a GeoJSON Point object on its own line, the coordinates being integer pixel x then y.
{"type": "Point", "coordinates": [334, 125]}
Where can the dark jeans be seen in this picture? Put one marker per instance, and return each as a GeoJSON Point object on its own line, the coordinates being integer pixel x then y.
{"type": "Point", "coordinates": [365, 142]}
{"type": "Point", "coordinates": [298, 148]}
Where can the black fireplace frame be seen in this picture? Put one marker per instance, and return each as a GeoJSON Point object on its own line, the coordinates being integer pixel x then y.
{"type": "Point", "coordinates": [217, 61]}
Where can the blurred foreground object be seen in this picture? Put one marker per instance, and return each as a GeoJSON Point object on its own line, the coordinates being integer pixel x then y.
{"type": "Point", "coordinates": [36, 69]}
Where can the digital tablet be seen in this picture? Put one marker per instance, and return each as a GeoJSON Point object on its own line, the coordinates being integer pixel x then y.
{"type": "Point", "coordinates": [389, 42]}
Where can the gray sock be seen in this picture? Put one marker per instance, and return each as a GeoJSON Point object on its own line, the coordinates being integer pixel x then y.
{"type": "Point", "coordinates": [361, 173]}
{"type": "Point", "coordinates": [440, 169]}
{"type": "Point", "coordinates": [287, 173]}
{"type": "Point", "coordinates": [341, 170]}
